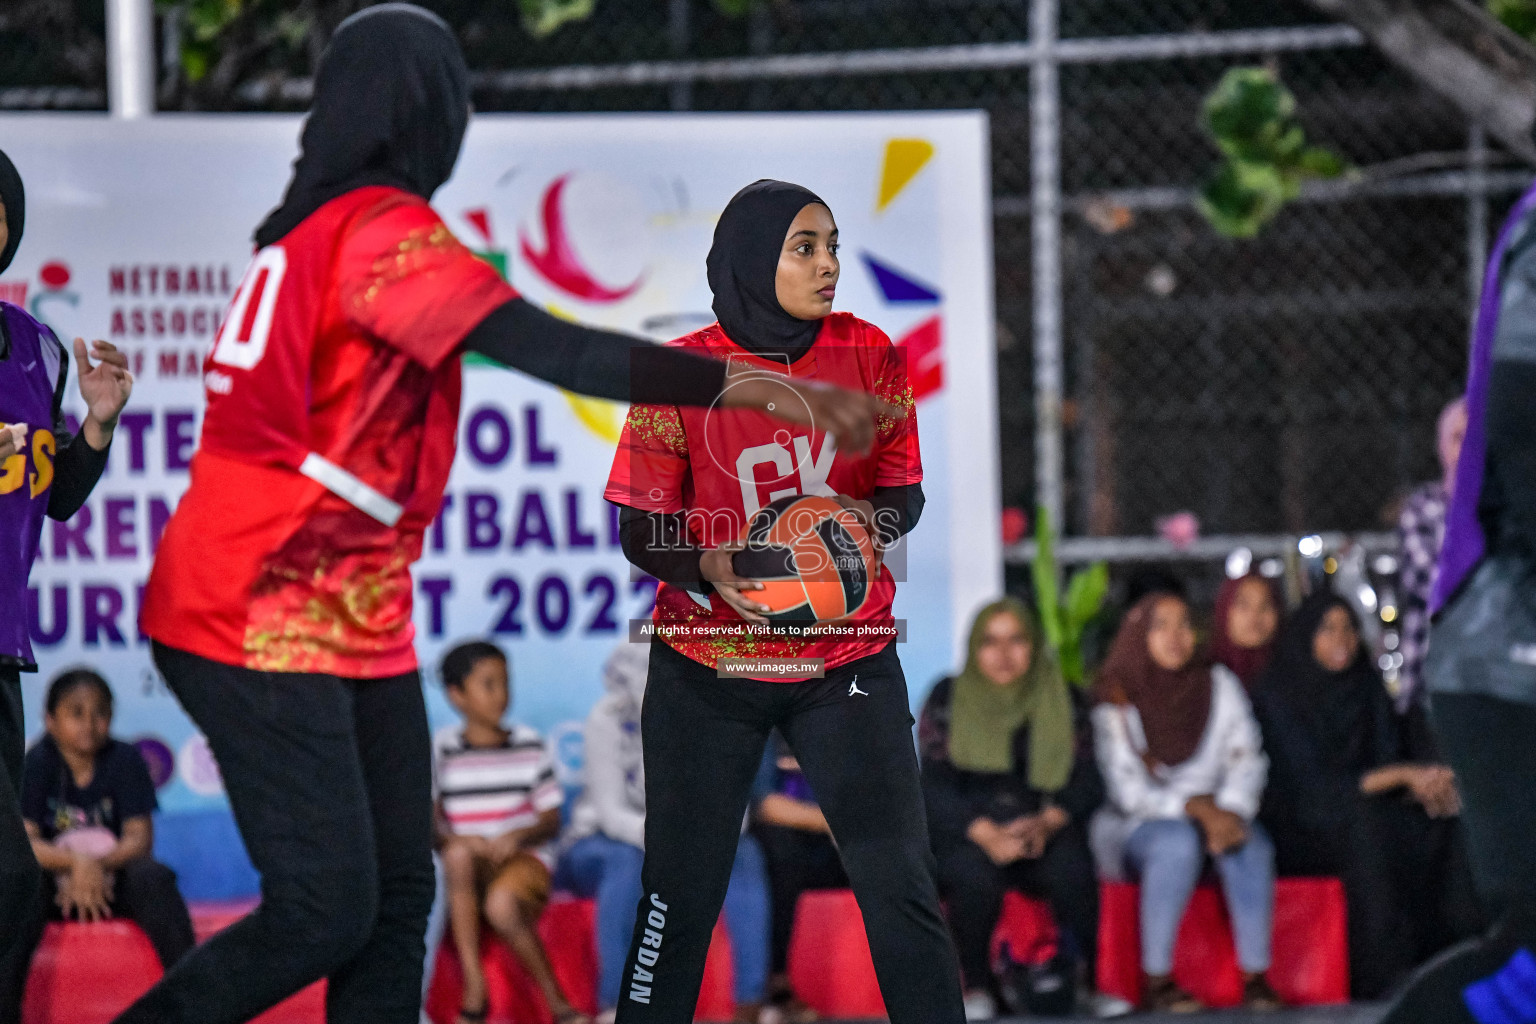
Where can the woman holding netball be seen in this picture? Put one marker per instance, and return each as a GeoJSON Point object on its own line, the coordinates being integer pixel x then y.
{"type": "Point", "coordinates": [280, 600]}
{"type": "Point", "coordinates": [688, 481]}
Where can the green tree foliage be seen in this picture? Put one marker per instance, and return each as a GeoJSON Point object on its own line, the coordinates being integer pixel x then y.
{"type": "Point", "coordinates": [1519, 15]}
{"type": "Point", "coordinates": [227, 34]}
{"type": "Point", "coordinates": [1251, 117]}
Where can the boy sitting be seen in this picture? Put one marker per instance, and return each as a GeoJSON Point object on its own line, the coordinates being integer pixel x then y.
{"type": "Point", "coordinates": [498, 809]}
{"type": "Point", "coordinates": [87, 799]}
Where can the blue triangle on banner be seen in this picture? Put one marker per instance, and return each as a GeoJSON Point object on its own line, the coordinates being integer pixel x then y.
{"type": "Point", "coordinates": [896, 286]}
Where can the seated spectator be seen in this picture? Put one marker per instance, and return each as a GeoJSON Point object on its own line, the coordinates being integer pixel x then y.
{"type": "Point", "coordinates": [1244, 625]}
{"type": "Point", "coordinates": [798, 847]}
{"type": "Point", "coordinates": [1420, 532]}
{"type": "Point", "coordinates": [1010, 785]}
{"type": "Point", "coordinates": [498, 811]}
{"type": "Point", "coordinates": [1344, 800]}
{"type": "Point", "coordinates": [1184, 770]}
{"type": "Point", "coordinates": [607, 846]}
{"type": "Point", "coordinates": [87, 800]}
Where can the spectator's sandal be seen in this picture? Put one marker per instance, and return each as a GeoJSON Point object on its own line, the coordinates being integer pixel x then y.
{"type": "Point", "coordinates": [1259, 997]}
{"type": "Point", "coordinates": [1166, 995]}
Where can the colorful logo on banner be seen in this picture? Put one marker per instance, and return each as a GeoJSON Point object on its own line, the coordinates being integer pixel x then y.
{"type": "Point", "coordinates": [558, 262]}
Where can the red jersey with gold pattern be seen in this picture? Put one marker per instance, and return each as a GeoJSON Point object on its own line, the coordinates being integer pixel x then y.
{"type": "Point", "coordinates": [717, 467]}
{"type": "Point", "coordinates": [333, 403]}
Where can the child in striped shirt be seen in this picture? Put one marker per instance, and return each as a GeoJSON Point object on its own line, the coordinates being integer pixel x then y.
{"type": "Point", "coordinates": [498, 811]}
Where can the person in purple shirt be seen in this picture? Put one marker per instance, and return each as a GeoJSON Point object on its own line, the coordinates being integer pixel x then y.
{"type": "Point", "coordinates": [44, 470]}
{"type": "Point", "coordinates": [1480, 669]}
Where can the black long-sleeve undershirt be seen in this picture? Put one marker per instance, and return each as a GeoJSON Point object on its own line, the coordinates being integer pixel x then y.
{"type": "Point", "coordinates": [658, 543]}
{"type": "Point", "coordinates": [592, 362]}
{"type": "Point", "coordinates": [76, 465]}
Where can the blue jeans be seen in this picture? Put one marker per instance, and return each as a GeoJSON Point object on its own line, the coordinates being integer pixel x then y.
{"type": "Point", "coordinates": [1167, 858]}
{"type": "Point", "coordinates": [608, 871]}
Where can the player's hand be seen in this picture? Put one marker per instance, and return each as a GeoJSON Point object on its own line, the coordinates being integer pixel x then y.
{"type": "Point", "coordinates": [847, 415]}
{"type": "Point", "coordinates": [88, 892]}
{"type": "Point", "coordinates": [105, 388]}
{"type": "Point", "coordinates": [864, 511]}
{"type": "Point", "coordinates": [715, 566]}
{"type": "Point", "coordinates": [13, 438]}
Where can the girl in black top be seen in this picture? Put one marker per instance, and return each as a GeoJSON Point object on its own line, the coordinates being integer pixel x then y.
{"type": "Point", "coordinates": [87, 800]}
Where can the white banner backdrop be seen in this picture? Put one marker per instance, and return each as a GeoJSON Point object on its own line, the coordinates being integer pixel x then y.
{"type": "Point", "coordinates": [139, 232]}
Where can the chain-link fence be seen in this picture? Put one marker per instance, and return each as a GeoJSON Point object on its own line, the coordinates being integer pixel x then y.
{"type": "Point", "coordinates": [1284, 384]}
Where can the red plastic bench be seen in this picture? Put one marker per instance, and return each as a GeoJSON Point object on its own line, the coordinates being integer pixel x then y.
{"type": "Point", "coordinates": [829, 962]}
{"type": "Point", "coordinates": [831, 969]}
{"type": "Point", "coordinates": [89, 973]}
{"type": "Point", "coordinates": [1310, 946]}
{"type": "Point", "coordinates": [567, 931]}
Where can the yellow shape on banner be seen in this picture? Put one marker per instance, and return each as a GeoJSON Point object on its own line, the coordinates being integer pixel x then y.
{"type": "Point", "coordinates": [903, 159]}
{"type": "Point", "coordinates": [602, 417]}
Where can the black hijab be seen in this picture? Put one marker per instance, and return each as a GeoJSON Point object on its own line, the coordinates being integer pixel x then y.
{"type": "Point", "coordinates": [15, 199]}
{"type": "Point", "coordinates": [743, 263]}
{"type": "Point", "coordinates": [391, 106]}
{"type": "Point", "coordinates": [1347, 715]}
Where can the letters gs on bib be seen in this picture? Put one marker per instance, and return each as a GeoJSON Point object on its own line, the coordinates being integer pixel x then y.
{"type": "Point", "coordinates": [39, 449]}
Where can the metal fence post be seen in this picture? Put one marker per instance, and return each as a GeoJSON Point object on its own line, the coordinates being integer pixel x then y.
{"type": "Point", "coordinates": [1477, 212]}
{"type": "Point", "coordinates": [130, 58]}
{"type": "Point", "coordinates": [1045, 252]}
{"type": "Point", "coordinates": [678, 32]}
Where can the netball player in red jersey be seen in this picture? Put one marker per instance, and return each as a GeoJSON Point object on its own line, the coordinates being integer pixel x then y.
{"type": "Point", "coordinates": [280, 599]}
{"type": "Point", "coordinates": [687, 481]}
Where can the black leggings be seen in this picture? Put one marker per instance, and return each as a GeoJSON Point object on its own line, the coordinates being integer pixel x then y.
{"type": "Point", "coordinates": [1063, 875]}
{"type": "Point", "coordinates": [704, 740]}
{"type": "Point", "coordinates": [21, 881]}
{"type": "Point", "coordinates": [330, 781]}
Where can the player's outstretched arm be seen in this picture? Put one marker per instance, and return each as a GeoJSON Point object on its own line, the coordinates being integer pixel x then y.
{"type": "Point", "coordinates": [605, 364]}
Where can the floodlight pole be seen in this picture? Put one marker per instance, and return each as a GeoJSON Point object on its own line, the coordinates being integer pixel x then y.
{"type": "Point", "coordinates": [130, 58]}
{"type": "Point", "coordinates": [1045, 254]}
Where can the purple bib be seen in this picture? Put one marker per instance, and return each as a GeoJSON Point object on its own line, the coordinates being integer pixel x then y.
{"type": "Point", "coordinates": [28, 375]}
{"type": "Point", "coordinates": [1464, 541]}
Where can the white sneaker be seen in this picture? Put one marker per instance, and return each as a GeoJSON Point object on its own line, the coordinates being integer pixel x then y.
{"type": "Point", "coordinates": [606, 1017]}
{"type": "Point", "coordinates": [1103, 1005]}
{"type": "Point", "coordinates": [979, 1005]}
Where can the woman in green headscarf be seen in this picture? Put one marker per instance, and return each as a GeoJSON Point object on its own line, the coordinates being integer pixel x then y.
{"type": "Point", "coordinates": [1010, 782]}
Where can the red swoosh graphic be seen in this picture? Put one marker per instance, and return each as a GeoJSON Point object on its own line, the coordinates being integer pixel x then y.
{"type": "Point", "coordinates": [924, 348]}
{"type": "Point", "coordinates": [558, 263]}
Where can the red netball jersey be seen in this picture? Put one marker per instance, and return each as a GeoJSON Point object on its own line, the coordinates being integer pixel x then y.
{"type": "Point", "coordinates": [718, 467]}
{"type": "Point", "coordinates": [333, 401]}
